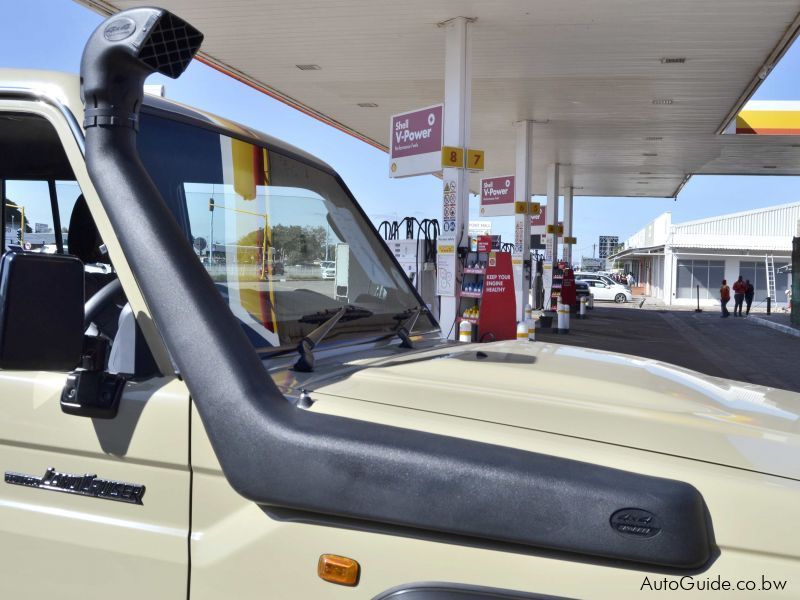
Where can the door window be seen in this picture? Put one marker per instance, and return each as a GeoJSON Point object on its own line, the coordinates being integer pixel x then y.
{"type": "Point", "coordinates": [44, 210]}
{"type": "Point", "coordinates": [30, 219]}
{"type": "Point", "coordinates": [37, 185]}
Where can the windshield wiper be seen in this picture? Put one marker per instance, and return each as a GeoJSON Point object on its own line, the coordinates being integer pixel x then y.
{"type": "Point", "coordinates": [408, 318]}
{"type": "Point", "coordinates": [328, 319]}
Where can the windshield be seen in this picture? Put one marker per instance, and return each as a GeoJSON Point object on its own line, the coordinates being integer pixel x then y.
{"type": "Point", "coordinates": [281, 239]}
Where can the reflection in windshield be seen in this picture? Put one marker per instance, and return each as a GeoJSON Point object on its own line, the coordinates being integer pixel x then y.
{"type": "Point", "coordinates": [280, 238]}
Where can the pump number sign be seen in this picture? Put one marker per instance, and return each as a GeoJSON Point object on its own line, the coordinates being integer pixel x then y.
{"type": "Point", "coordinates": [415, 142]}
{"type": "Point", "coordinates": [475, 159]}
{"type": "Point", "coordinates": [452, 157]}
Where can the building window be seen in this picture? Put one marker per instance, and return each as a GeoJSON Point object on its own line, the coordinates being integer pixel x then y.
{"type": "Point", "coordinates": [708, 274]}
{"type": "Point", "coordinates": [756, 272]}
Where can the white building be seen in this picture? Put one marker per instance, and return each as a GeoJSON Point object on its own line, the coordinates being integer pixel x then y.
{"type": "Point", "coordinates": [671, 260]}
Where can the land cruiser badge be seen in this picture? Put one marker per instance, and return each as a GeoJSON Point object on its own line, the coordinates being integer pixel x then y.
{"type": "Point", "coordinates": [83, 485]}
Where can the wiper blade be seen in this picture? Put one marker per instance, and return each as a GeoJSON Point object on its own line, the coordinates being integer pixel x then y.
{"type": "Point", "coordinates": [305, 363]}
{"type": "Point", "coordinates": [351, 312]}
{"type": "Point", "coordinates": [408, 319]}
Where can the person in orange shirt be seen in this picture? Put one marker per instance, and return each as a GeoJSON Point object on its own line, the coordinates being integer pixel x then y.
{"type": "Point", "coordinates": [724, 298]}
{"type": "Point", "coordinates": [739, 290]}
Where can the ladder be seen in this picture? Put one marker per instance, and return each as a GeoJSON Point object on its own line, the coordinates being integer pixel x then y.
{"type": "Point", "coordinates": [769, 263]}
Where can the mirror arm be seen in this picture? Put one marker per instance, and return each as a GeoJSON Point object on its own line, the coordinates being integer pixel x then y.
{"type": "Point", "coordinates": [90, 391]}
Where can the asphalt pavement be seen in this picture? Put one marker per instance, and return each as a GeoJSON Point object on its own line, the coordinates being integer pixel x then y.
{"type": "Point", "coordinates": [734, 348]}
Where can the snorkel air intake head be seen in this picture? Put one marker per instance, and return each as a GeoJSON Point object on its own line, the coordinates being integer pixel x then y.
{"type": "Point", "coordinates": [122, 52]}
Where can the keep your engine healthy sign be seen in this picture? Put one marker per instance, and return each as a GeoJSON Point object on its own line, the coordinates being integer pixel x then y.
{"type": "Point", "coordinates": [497, 196]}
{"type": "Point", "coordinates": [415, 145]}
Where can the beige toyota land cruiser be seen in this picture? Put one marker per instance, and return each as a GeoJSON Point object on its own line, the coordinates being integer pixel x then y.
{"type": "Point", "coordinates": [180, 420]}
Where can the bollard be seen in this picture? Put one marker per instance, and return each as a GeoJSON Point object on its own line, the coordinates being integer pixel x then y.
{"type": "Point", "coordinates": [522, 332]}
{"type": "Point", "coordinates": [769, 305]}
{"type": "Point", "coordinates": [582, 310]}
{"type": "Point", "coordinates": [528, 311]}
{"type": "Point", "coordinates": [563, 318]}
{"type": "Point", "coordinates": [559, 320]}
{"type": "Point", "coordinates": [465, 332]}
{"type": "Point", "coordinates": [531, 330]}
{"type": "Point", "coordinates": [698, 309]}
{"type": "Point", "coordinates": [590, 302]}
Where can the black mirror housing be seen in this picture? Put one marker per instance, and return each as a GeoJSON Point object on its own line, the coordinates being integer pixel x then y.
{"type": "Point", "coordinates": [41, 311]}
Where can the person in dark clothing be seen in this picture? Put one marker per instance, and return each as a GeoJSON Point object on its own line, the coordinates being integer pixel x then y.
{"type": "Point", "coordinates": [749, 292]}
{"type": "Point", "coordinates": [739, 287]}
{"type": "Point", "coordinates": [724, 298]}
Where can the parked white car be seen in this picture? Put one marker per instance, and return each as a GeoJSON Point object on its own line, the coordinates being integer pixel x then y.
{"type": "Point", "coordinates": [600, 276]}
{"type": "Point", "coordinates": [607, 289]}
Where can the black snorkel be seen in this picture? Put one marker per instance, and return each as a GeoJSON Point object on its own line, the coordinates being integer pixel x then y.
{"type": "Point", "coordinates": [322, 467]}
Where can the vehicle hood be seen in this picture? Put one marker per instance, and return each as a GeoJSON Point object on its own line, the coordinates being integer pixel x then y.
{"type": "Point", "coordinates": [594, 395]}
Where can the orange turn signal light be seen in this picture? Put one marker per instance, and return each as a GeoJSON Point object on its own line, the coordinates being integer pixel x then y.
{"type": "Point", "coordinates": [338, 569]}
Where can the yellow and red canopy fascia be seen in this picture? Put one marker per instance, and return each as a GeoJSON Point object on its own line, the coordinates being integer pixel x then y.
{"type": "Point", "coordinates": [769, 118]}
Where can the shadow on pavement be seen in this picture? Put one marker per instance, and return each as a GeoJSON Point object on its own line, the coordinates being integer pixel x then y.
{"type": "Point", "coordinates": [732, 348]}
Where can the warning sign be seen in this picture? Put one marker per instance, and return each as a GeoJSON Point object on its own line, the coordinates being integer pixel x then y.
{"type": "Point", "coordinates": [548, 250]}
{"type": "Point", "coordinates": [519, 235]}
{"type": "Point", "coordinates": [449, 208]}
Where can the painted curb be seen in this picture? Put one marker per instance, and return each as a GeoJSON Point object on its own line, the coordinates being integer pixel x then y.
{"type": "Point", "coordinates": [772, 325]}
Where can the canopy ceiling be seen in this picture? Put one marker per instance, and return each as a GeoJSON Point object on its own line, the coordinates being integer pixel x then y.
{"type": "Point", "coordinates": [599, 77]}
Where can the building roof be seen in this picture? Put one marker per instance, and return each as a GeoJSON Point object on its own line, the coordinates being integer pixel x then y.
{"type": "Point", "coordinates": [630, 97]}
{"type": "Point", "coordinates": [777, 210]}
{"type": "Point", "coordinates": [769, 229]}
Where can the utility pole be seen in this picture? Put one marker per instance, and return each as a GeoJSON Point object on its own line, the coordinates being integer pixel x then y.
{"type": "Point", "coordinates": [593, 247]}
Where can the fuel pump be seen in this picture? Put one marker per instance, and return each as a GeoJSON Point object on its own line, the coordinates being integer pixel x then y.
{"type": "Point", "coordinates": [568, 291]}
{"type": "Point", "coordinates": [416, 254]}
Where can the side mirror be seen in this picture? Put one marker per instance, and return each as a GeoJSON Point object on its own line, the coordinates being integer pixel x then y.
{"type": "Point", "coordinates": [41, 311]}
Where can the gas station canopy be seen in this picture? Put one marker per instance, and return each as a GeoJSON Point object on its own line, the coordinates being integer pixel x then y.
{"type": "Point", "coordinates": [630, 98]}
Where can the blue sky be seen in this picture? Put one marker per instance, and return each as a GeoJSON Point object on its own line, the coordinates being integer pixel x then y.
{"type": "Point", "coordinates": [49, 34]}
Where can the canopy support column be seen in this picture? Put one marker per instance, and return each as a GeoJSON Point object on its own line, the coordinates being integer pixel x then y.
{"type": "Point", "coordinates": [457, 109]}
{"type": "Point", "coordinates": [568, 223]}
{"type": "Point", "coordinates": [521, 260]}
{"type": "Point", "coordinates": [551, 252]}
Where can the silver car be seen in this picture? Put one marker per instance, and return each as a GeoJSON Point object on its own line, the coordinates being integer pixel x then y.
{"type": "Point", "coordinates": [328, 269]}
